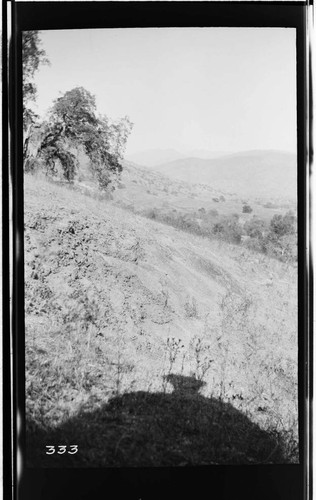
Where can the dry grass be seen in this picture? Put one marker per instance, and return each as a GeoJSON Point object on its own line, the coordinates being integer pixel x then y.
{"type": "Point", "coordinates": [136, 373]}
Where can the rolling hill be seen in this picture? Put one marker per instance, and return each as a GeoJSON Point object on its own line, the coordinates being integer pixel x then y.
{"type": "Point", "coordinates": [268, 174]}
{"type": "Point", "coordinates": [142, 189]}
{"type": "Point", "coordinates": [153, 157]}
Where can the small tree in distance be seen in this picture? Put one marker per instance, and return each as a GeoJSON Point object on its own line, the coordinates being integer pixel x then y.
{"type": "Point", "coordinates": [246, 209]}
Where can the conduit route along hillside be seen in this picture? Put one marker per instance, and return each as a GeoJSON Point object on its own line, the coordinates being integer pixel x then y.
{"type": "Point", "coordinates": [115, 302]}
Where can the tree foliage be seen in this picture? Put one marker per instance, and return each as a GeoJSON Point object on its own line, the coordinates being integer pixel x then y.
{"type": "Point", "coordinates": [281, 225]}
{"type": "Point", "coordinates": [281, 240]}
{"type": "Point", "coordinates": [229, 229]}
{"type": "Point", "coordinates": [278, 240]}
{"type": "Point", "coordinates": [32, 57]}
{"type": "Point", "coordinates": [73, 122]}
{"type": "Point", "coordinates": [255, 228]}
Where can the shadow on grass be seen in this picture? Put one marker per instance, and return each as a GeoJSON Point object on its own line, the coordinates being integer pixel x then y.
{"type": "Point", "coordinates": [142, 429]}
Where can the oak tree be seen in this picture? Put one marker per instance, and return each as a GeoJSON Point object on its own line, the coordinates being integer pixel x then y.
{"type": "Point", "coordinates": [73, 122]}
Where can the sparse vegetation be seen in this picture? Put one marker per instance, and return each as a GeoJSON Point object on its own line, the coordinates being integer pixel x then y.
{"type": "Point", "coordinates": [279, 240]}
{"type": "Point", "coordinates": [190, 308]}
{"type": "Point", "coordinates": [100, 371]}
{"type": "Point", "coordinates": [173, 348]}
{"type": "Point", "coordinates": [202, 358]}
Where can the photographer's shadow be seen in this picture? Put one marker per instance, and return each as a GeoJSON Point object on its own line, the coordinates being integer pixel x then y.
{"type": "Point", "coordinates": [181, 428]}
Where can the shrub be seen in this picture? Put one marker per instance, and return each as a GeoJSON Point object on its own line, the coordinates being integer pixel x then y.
{"type": "Point", "coordinates": [234, 231]}
{"type": "Point", "coordinates": [229, 229]}
{"type": "Point", "coordinates": [218, 229]}
{"type": "Point", "coordinates": [270, 205]}
{"type": "Point", "coordinates": [254, 244]}
{"type": "Point", "coordinates": [282, 225]}
{"type": "Point", "coordinates": [283, 248]}
{"type": "Point", "coordinates": [246, 209]}
{"type": "Point", "coordinates": [255, 228]}
{"type": "Point", "coordinates": [190, 308]}
{"type": "Point", "coordinates": [152, 213]}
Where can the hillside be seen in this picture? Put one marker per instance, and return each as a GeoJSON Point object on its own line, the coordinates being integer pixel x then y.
{"type": "Point", "coordinates": [141, 340]}
{"type": "Point", "coordinates": [253, 173]}
{"type": "Point", "coordinates": [142, 189]}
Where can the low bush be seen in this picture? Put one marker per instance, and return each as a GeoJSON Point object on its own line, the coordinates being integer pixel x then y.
{"type": "Point", "coordinates": [255, 228]}
{"type": "Point", "coordinates": [229, 229]}
{"type": "Point", "coordinates": [270, 205]}
{"type": "Point", "coordinates": [190, 308]}
{"type": "Point", "coordinates": [246, 209]}
{"type": "Point", "coordinates": [281, 225]}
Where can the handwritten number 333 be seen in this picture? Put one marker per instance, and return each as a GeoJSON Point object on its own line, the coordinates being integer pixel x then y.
{"type": "Point", "coordinates": [62, 449]}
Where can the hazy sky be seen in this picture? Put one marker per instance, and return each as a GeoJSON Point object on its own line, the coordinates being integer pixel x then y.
{"type": "Point", "coordinates": [221, 89]}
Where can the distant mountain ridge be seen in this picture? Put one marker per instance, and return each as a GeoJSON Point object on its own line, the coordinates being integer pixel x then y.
{"type": "Point", "coordinates": [249, 173]}
{"type": "Point", "coordinates": [153, 157]}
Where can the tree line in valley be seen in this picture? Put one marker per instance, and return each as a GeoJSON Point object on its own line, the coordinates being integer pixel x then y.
{"type": "Point", "coordinates": [72, 123]}
{"type": "Point", "coordinates": [276, 238]}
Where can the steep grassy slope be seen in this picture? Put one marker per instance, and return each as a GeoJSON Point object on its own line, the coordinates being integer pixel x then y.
{"type": "Point", "coordinates": [127, 319]}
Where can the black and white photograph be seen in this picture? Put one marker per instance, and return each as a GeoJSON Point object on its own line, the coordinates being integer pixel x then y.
{"type": "Point", "coordinates": [160, 247]}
